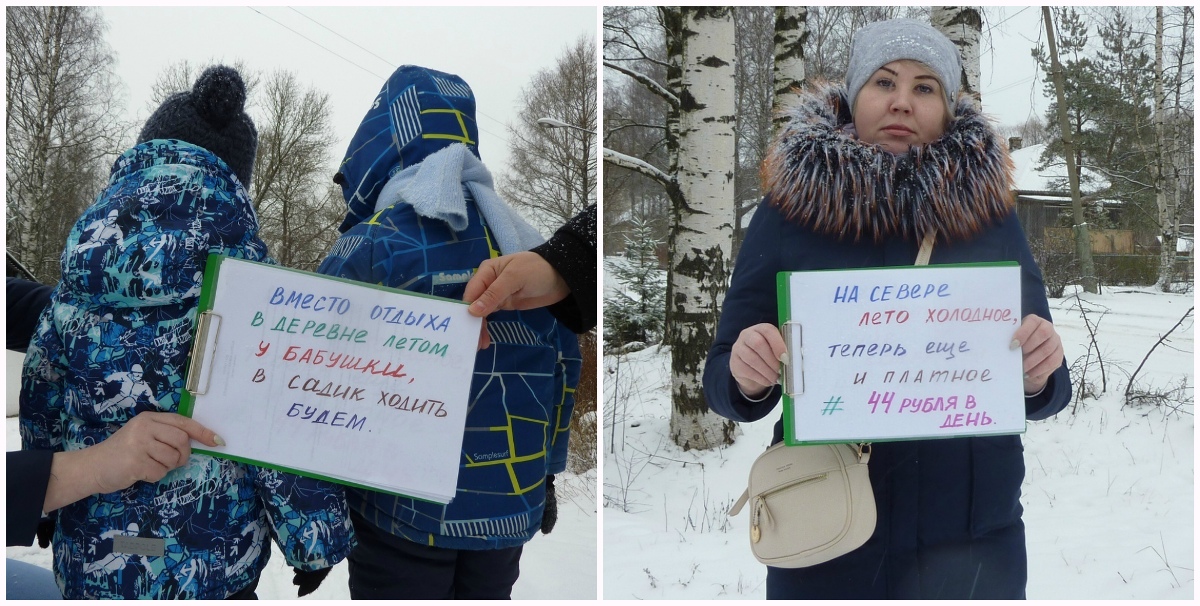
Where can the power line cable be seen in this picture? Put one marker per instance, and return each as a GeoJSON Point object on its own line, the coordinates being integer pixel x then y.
{"type": "Point", "coordinates": [477, 111]}
{"type": "Point", "coordinates": [1010, 85]}
{"type": "Point", "coordinates": [330, 30]}
{"type": "Point", "coordinates": [1006, 19]}
{"type": "Point", "coordinates": [314, 42]}
{"type": "Point", "coordinates": [1037, 43]}
{"type": "Point", "coordinates": [1031, 79]}
{"type": "Point", "coordinates": [1002, 22]}
{"type": "Point", "coordinates": [390, 63]}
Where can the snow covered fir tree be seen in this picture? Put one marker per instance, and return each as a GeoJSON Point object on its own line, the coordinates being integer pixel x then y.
{"type": "Point", "coordinates": [633, 314]}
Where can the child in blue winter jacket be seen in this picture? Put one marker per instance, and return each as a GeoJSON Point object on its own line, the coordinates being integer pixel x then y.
{"type": "Point", "coordinates": [422, 217]}
{"type": "Point", "coordinates": [114, 342]}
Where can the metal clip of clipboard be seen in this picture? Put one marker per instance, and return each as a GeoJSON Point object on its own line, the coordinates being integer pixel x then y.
{"type": "Point", "coordinates": [208, 325]}
{"type": "Point", "coordinates": [793, 372]}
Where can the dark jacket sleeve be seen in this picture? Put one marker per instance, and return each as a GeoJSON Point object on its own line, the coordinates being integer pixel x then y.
{"type": "Point", "coordinates": [750, 300]}
{"type": "Point", "coordinates": [25, 302]}
{"type": "Point", "coordinates": [572, 253]}
{"type": "Point", "coordinates": [28, 476]}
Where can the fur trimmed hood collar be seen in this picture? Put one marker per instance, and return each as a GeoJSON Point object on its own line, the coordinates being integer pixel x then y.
{"type": "Point", "coordinates": [822, 177]}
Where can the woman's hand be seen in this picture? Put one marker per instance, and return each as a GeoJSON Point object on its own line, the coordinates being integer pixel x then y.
{"type": "Point", "coordinates": [754, 359]}
{"type": "Point", "coordinates": [521, 280]}
{"type": "Point", "coordinates": [1041, 351]}
{"type": "Point", "coordinates": [144, 449]}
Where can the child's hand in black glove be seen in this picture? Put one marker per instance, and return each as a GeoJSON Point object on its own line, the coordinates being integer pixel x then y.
{"type": "Point", "coordinates": [550, 514]}
{"type": "Point", "coordinates": [45, 532]}
{"type": "Point", "coordinates": [309, 580]}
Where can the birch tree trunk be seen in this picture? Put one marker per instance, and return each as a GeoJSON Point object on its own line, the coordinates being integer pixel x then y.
{"type": "Point", "coordinates": [701, 230]}
{"type": "Point", "coordinates": [1181, 140]}
{"type": "Point", "coordinates": [1166, 210]}
{"type": "Point", "coordinates": [791, 32]}
{"type": "Point", "coordinates": [963, 26]}
{"type": "Point", "coordinates": [672, 22]}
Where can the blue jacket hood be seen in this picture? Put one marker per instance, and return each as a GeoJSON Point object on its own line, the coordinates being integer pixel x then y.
{"type": "Point", "coordinates": [417, 112]}
{"type": "Point", "coordinates": [167, 204]}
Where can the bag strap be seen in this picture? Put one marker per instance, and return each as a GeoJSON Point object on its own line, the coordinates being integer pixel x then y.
{"type": "Point", "coordinates": [926, 250]}
{"type": "Point", "coordinates": [737, 507]}
{"type": "Point", "coordinates": [863, 449]}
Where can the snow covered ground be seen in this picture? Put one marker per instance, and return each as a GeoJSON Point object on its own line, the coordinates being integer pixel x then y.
{"type": "Point", "coordinates": [559, 565]}
{"type": "Point", "coordinates": [1108, 493]}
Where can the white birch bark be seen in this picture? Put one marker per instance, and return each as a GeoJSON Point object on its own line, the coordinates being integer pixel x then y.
{"type": "Point", "coordinates": [963, 26]}
{"type": "Point", "coordinates": [1166, 210]}
{"type": "Point", "coordinates": [672, 19]}
{"type": "Point", "coordinates": [701, 231]}
{"type": "Point", "coordinates": [791, 31]}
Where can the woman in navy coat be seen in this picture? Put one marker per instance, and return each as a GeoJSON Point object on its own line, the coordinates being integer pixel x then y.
{"type": "Point", "coordinates": [859, 177]}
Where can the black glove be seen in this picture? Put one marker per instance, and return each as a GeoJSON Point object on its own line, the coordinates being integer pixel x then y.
{"type": "Point", "coordinates": [309, 580]}
{"type": "Point", "coordinates": [550, 514]}
{"type": "Point", "coordinates": [45, 532]}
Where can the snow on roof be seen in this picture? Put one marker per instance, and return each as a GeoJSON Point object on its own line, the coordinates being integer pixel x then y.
{"type": "Point", "coordinates": [1183, 244]}
{"type": "Point", "coordinates": [1027, 177]}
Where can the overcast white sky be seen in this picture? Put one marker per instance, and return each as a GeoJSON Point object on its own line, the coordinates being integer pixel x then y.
{"type": "Point", "coordinates": [1010, 81]}
{"type": "Point", "coordinates": [496, 50]}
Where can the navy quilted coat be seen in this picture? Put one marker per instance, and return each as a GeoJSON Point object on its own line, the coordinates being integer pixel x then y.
{"type": "Point", "coordinates": [949, 511]}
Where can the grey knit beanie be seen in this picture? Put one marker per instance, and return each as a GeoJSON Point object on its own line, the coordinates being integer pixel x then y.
{"type": "Point", "coordinates": [879, 43]}
{"type": "Point", "coordinates": [211, 115]}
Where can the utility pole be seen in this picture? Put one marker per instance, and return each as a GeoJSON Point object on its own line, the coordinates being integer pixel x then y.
{"type": "Point", "coordinates": [1083, 241]}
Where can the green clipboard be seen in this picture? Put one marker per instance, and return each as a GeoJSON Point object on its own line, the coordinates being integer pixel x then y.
{"type": "Point", "coordinates": [829, 373]}
{"type": "Point", "coordinates": [321, 317]}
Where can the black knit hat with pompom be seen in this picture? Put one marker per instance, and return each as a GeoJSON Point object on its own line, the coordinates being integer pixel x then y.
{"type": "Point", "coordinates": [211, 115]}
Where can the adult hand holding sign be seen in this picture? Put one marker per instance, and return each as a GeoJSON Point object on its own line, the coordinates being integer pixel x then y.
{"type": "Point", "coordinates": [146, 448]}
{"type": "Point", "coordinates": [900, 353]}
{"type": "Point", "coordinates": [754, 359]}
{"type": "Point", "coordinates": [1041, 351]}
{"type": "Point", "coordinates": [521, 280]}
{"type": "Point", "coordinates": [143, 450]}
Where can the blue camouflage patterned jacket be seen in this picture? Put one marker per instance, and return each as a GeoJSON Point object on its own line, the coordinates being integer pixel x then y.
{"type": "Point", "coordinates": [114, 342]}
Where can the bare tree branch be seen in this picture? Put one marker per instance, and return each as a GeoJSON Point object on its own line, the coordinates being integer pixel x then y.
{"type": "Point", "coordinates": [640, 166]}
{"type": "Point", "coordinates": [648, 82]}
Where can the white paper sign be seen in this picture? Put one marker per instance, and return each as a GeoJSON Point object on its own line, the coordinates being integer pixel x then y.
{"type": "Point", "coordinates": [903, 353]}
{"type": "Point", "coordinates": [335, 379]}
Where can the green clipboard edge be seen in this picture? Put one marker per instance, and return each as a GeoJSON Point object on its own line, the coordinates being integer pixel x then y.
{"type": "Point", "coordinates": [784, 301]}
{"type": "Point", "coordinates": [784, 309]}
{"type": "Point", "coordinates": [187, 401]}
{"type": "Point", "coordinates": [208, 293]}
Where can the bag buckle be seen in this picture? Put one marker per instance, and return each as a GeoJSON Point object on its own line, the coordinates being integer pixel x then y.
{"type": "Point", "coordinates": [861, 449]}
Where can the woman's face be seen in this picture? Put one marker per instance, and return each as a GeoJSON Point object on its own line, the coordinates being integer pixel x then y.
{"type": "Point", "coordinates": [901, 105]}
